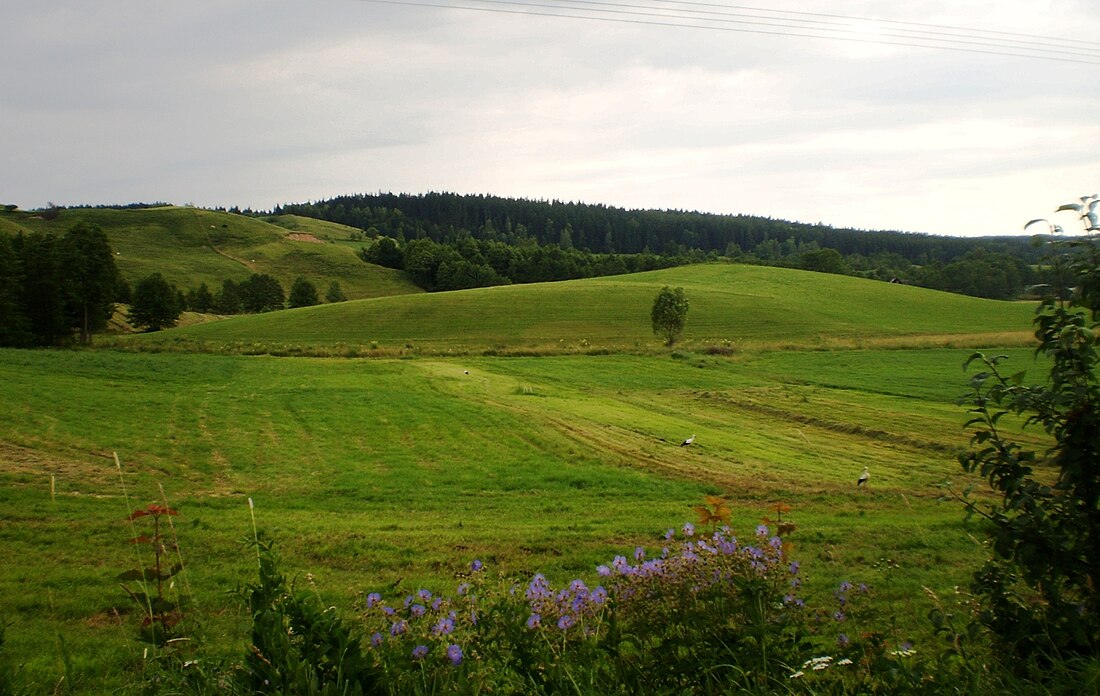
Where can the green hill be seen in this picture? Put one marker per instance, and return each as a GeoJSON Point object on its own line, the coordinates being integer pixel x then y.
{"type": "Point", "coordinates": [189, 246]}
{"type": "Point", "coordinates": [732, 307]}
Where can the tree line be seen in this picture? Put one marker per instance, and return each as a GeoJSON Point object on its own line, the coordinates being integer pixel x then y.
{"type": "Point", "coordinates": [603, 240]}
{"type": "Point", "coordinates": [56, 289]}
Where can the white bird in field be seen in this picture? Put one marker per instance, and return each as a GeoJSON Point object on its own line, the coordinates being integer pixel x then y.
{"type": "Point", "coordinates": [688, 441]}
{"type": "Point", "coordinates": [863, 478]}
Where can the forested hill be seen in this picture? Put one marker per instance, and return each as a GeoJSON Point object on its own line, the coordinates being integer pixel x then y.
{"type": "Point", "coordinates": [444, 217]}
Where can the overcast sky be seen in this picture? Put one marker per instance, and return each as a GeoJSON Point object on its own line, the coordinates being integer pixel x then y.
{"type": "Point", "coordinates": [260, 102]}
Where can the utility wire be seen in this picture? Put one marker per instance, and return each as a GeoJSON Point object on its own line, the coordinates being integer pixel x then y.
{"type": "Point", "coordinates": [832, 27]}
{"type": "Point", "coordinates": [774, 26]}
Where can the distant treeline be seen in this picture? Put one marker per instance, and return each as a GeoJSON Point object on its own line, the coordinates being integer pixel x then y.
{"type": "Point", "coordinates": [602, 240]}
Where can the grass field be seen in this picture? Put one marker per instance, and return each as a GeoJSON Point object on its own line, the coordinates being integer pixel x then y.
{"type": "Point", "coordinates": [381, 473]}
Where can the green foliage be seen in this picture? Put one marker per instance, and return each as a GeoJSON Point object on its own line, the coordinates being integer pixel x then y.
{"type": "Point", "coordinates": [51, 286]}
{"type": "Point", "coordinates": [384, 252]}
{"type": "Point", "coordinates": [297, 646]}
{"type": "Point", "coordinates": [200, 299]}
{"type": "Point", "coordinates": [154, 304]}
{"type": "Point", "coordinates": [335, 293]}
{"type": "Point", "coordinates": [669, 314]}
{"type": "Point", "coordinates": [1040, 590]}
{"type": "Point", "coordinates": [824, 261]}
{"type": "Point", "coordinates": [90, 276]}
{"type": "Point", "coordinates": [261, 293]}
{"type": "Point", "coordinates": [303, 293]}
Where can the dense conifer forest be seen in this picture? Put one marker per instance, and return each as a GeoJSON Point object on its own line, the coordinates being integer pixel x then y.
{"type": "Point", "coordinates": [475, 228]}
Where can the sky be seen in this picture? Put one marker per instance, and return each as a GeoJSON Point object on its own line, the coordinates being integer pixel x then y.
{"type": "Point", "coordinates": [805, 110]}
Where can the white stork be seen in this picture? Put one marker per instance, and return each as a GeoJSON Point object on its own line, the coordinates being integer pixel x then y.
{"type": "Point", "coordinates": [688, 441]}
{"type": "Point", "coordinates": [863, 478]}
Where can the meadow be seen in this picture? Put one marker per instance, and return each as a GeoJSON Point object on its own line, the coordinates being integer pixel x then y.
{"type": "Point", "coordinates": [548, 441]}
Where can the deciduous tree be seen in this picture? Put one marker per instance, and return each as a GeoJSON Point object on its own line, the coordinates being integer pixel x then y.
{"type": "Point", "coordinates": [669, 314]}
{"type": "Point", "coordinates": [155, 304]}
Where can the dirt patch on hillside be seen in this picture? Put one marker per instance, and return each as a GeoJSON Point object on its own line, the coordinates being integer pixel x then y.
{"type": "Point", "coordinates": [303, 237]}
{"type": "Point", "coordinates": [30, 464]}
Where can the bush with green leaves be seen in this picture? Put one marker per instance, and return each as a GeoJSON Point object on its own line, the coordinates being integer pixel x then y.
{"type": "Point", "coordinates": [297, 645]}
{"type": "Point", "coordinates": [1039, 590]}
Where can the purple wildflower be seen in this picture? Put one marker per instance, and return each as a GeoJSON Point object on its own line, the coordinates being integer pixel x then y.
{"type": "Point", "coordinates": [838, 615]}
{"type": "Point", "coordinates": [845, 586]}
{"type": "Point", "coordinates": [566, 622]}
{"type": "Point", "coordinates": [842, 640]}
{"type": "Point", "coordinates": [376, 639]}
{"type": "Point", "coordinates": [454, 654]}
{"type": "Point", "coordinates": [418, 610]}
{"type": "Point", "coordinates": [424, 595]}
{"type": "Point", "coordinates": [639, 554]}
{"type": "Point", "coordinates": [599, 595]}
{"type": "Point", "coordinates": [399, 627]}
{"type": "Point", "coordinates": [534, 621]}
{"type": "Point", "coordinates": [603, 571]}
{"type": "Point", "coordinates": [762, 530]}
{"type": "Point", "coordinates": [437, 603]}
{"type": "Point", "coordinates": [689, 529]}
{"type": "Point", "coordinates": [444, 627]}
{"type": "Point", "coordinates": [373, 599]}
{"type": "Point", "coordinates": [463, 589]}
{"type": "Point", "coordinates": [420, 652]}
{"type": "Point", "coordinates": [476, 566]}
{"type": "Point", "coordinates": [793, 568]}
{"type": "Point", "coordinates": [669, 534]}
{"type": "Point", "coordinates": [389, 611]}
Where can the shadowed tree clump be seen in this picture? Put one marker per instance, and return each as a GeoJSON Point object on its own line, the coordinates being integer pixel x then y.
{"type": "Point", "coordinates": [335, 293]}
{"type": "Point", "coordinates": [303, 293]}
{"type": "Point", "coordinates": [155, 304]}
{"type": "Point", "coordinates": [1039, 590]}
{"type": "Point", "coordinates": [670, 309]}
{"type": "Point", "coordinates": [91, 278]}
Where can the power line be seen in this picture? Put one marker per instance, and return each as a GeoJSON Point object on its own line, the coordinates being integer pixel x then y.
{"type": "Point", "coordinates": [832, 27]}
{"type": "Point", "coordinates": [774, 26]}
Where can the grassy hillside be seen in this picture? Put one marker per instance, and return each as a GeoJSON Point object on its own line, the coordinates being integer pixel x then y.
{"type": "Point", "coordinates": [189, 246]}
{"type": "Point", "coordinates": [376, 474]}
{"type": "Point", "coordinates": [732, 307]}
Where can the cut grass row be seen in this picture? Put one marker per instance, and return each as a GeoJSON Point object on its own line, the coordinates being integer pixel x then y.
{"type": "Point", "coordinates": [375, 474]}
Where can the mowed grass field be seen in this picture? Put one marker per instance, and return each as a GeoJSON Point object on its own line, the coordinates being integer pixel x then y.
{"type": "Point", "coordinates": [390, 474]}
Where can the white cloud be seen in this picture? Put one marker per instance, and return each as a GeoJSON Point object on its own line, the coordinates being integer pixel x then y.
{"type": "Point", "coordinates": [258, 103]}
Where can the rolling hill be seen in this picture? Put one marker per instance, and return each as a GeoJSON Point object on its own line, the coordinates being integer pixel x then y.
{"type": "Point", "coordinates": [732, 307]}
{"type": "Point", "coordinates": [189, 246]}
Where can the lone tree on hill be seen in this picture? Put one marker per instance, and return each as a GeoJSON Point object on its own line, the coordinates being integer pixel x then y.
{"type": "Point", "coordinates": [670, 310]}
